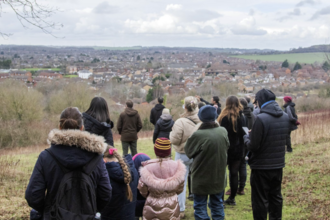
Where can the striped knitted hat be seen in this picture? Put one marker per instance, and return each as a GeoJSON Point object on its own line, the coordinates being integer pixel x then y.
{"type": "Point", "coordinates": [162, 147]}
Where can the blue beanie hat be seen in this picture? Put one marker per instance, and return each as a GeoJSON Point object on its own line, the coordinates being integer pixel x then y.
{"type": "Point", "coordinates": [207, 113]}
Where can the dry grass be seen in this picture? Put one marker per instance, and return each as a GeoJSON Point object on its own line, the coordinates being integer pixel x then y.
{"type": "Point", "coordinates": [14, 176]}
{"type": "Point", "coordinates": [306, 182]}
{"type": "Point", "coordinates": [314, 127]}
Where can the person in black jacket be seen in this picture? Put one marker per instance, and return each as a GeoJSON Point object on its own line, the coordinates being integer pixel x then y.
{"type": "Point", "coordinates": [138, 159]}
{"type": "Point", "coordinates": [97, 119]}
{"type": "Point", "coordinates": [266, 143]}
{"type": "Point", "coordinates": [290, 110]}
{"type": "Point", "coordinates": [249, 104]}
{"type": "Point", "coordinates": [215, 101]}
{"type": "Point", "coordinates": [164, 125]}
{"type": "Point", "coordinates": [231, 119]}
{"type": "Point", "coordinates": [124, 180]}
{"type": "Point", "coordinates": [73, 148]}
{"type": "Point", "coordinates": [248, 115]}
{"type": "Point", "coordinates": [156, 112]}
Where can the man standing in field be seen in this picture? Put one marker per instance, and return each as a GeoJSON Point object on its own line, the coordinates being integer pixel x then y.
{"type": "Point", "coordinates": [128, 125]}
{"type": "Point", "coordinates": [266, 143]}
{"type": "Point", "coordinates": [156, 112]}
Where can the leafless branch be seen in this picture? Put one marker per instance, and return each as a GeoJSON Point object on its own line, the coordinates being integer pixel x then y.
{"type": "Point", "coordinates": [30, 12]}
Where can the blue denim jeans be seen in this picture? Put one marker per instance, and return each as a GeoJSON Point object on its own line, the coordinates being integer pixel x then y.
{"type": "Point", "coordinates": [182, 197]}
{"type": "Point", "coordinates": [215, 204]}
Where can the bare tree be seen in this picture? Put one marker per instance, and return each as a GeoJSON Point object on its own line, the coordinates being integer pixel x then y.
{"type": "Point", "coordinates": [31, 13]}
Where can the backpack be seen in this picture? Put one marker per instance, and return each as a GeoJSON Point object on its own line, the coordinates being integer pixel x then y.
{"type": "Point", "coordinates": [75, 197]}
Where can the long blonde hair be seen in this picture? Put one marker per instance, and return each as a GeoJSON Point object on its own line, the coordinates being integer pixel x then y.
{"type": "Point", "coordinates": [232, 111]}
{"type": "Point", "coordinates": [126, 171]}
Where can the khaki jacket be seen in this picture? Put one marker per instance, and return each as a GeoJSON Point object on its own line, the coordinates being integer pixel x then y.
{"type": "Point", "coordinates": [182, 129]}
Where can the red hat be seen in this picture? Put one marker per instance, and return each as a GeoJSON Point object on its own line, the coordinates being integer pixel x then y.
{"type": "Point", "coordinates": [287, 99]}
{"type": "Point", "coordinates": [162, 147]}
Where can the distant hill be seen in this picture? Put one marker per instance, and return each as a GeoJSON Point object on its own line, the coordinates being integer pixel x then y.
{"type": "Point", "coordinates": [325, 48]}
{"type": "Point", "coordinates": [157, 48]}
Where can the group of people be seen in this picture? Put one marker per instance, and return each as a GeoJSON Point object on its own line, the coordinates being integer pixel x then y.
{"type": "Point", "coordinates": [82, 176]}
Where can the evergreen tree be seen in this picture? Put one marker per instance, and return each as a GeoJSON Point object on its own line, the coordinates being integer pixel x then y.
{"type": "Point", "coordinates": [150, 95]}
{"type": "Point", "coordinates": [297, 66]}
{"type": "Point", "coordinates": [138, 58]}
{"type": "Point", "coordinates": [5, 64]}
{"type": "Point", "coordinates": [326, 66]}
{"type": "Point", "coordinates": [285, 64]}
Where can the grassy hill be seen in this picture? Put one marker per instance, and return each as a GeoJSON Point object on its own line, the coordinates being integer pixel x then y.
{"type": "Point", "coordinates": [308, 58]}
{"type": "Point", "coordinates": [306, 183]}
{"type": "Point", "coordinates": [305, 188]}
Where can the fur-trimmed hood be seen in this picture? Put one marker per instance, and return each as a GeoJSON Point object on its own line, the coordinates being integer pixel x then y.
{"type": "Point", "coordinates": [80, 139]}
{"type": "Point", "coordinates": [166, 175]}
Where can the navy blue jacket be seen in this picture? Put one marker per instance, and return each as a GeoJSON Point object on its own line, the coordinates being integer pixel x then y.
{"type": "Point", "coordinates": [100, 128]}
{"type": "Point", "coordinates": [47, 175]}
{"type": "Point", "coordinates": [267, 139]}
{"type": "Point", "coordinates": [138, 159]}
{"type": "Point", "coordinates": [119, 207]}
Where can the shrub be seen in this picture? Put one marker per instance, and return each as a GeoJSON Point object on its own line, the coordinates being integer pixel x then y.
{"type": "Point", "coordinates": [73, 95]}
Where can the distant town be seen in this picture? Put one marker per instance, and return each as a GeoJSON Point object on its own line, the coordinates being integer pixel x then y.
{"type": "Point", "coordinates": [175, 70]}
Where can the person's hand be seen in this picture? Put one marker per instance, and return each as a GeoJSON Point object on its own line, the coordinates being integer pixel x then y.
{"type": "Point", "coordinates": [198, 98]}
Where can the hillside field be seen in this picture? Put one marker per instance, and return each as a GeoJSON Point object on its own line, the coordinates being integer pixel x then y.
{"type": "Point", "coordinates": [38, 69]}
{"type": "Point", "coordinates": [71, 76]}
{"type": "Point", "coordinates": [308, 58]}
{"type": "Point", "coordinates": [305, 186]}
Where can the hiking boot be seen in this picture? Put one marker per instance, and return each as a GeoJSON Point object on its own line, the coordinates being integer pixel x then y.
{"type": "Point", "coordinates": [228, 192]}
{"type": "Point", "coordinates": [241, 192]}
{"type": "Point", "coordinates": [182, 216]}
{"type": "Point", "coordinates": [230, 201]}
{"type": "Point", "coordinates": [191, 197]}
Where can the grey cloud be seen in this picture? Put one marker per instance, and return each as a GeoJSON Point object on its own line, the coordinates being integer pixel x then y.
{"type": "Point", "coordinates": [306, 2]}
{"type": "Point", "coordinates": [198, 15]}
{"type": "Point", "coordinates": [241, 30]}
{"type": "Point", "coordinates": [251, 12]}
{"type": "Point", "coordinates": [105, 8]}
{"type": "Point", "coordinates": [295, 12]}
{"type": "Point", "coordinates": [207, 30]}
{"type": "Point", "coordinates": [324, 11]}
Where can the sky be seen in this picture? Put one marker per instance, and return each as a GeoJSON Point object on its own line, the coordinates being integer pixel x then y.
{"type": "Point", "coordinates": [262, 24]}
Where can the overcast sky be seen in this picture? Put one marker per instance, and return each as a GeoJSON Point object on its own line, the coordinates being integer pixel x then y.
{"type": "Point", "coordinates": [271, 24]}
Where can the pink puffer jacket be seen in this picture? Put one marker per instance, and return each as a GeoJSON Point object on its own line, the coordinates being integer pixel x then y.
{"type": "Point", "coordinates": [161, 181]}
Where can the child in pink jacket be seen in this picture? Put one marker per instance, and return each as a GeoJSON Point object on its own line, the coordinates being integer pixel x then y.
{"type": "Point", "coordinates": [161, 181]}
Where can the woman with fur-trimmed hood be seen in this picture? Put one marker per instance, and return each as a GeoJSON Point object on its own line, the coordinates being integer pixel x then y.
{"type": "Point", "coordinates": [161, 181]}
{"type": "Point", "coordinates": [72, 148]}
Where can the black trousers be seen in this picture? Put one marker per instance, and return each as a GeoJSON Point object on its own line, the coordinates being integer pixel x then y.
{"type": "Point", "coordinates": [234, 167]}
{"type": "Point", "coordinates": [288, 142]}
{"type": "Point", "coordinates": [266, 194]}
{"type": "Point", "coordinates": [242, 174]}
{"type": "Point", "coordinates": [189, 184]}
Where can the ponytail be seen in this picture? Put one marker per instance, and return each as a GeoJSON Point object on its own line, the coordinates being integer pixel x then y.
{"type": "Point", "coordinates": [126, 171]}
{"type": "Point", "coordinates": [71, 118]}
